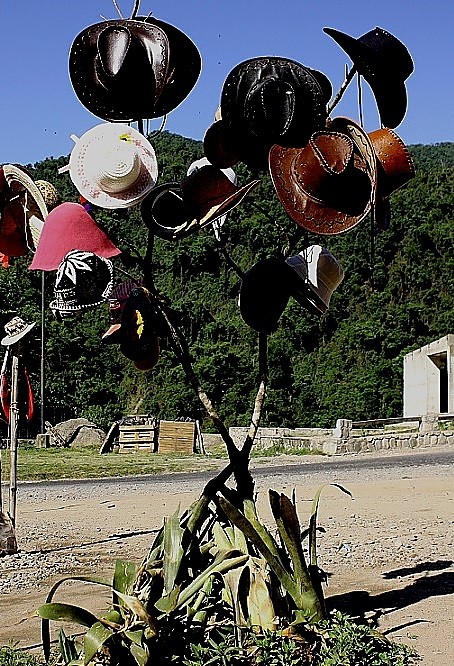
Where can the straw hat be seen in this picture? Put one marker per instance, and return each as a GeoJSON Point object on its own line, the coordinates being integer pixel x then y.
{"type": "Point", "coordinates": [24, 212]}
{"type": "Point", "coordinates": [113, 165]}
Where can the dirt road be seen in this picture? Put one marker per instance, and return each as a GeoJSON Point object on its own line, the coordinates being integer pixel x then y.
{"type": "Point", "coordinates": [388, 552]}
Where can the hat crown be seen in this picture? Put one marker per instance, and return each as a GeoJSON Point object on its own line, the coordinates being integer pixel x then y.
{"type": "Point", "coordinates": [117, 168]}
{"type": "Point", "coordinates": [396, 166]}
{"type": "Point", "coordinates": [84, 280]}
{"type": "Point", "coordinates": [15, 326]}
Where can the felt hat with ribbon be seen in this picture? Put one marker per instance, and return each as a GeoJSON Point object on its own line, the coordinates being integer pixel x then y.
{"type": "Point", "coordinates": [231, 175]}
{"type": "Point", "coordinates": [173, 210]}
{"type": "Point", "coordinates": [328, 186]}
{"type": "Point", "coordinates": [130, 69]}
{"type": "Point", "coordinates": [113, 165]}
{"type": "Point", "coordinates": [15, 330]}
{"type": "Point", "coordinates": [385, 63]}
{"type": "Point", "coordinates": [316, 274]}
{"type": "Point", "coordinates": [84, 280]}
{"type": "Point", "coordinates": [268, 100]}
{"type": "Point", "coordinates": [23, 211]}
{"type": "Point", "coordinates": [69, 227]}
{"type": "Point", "coordinates": [395, 169]}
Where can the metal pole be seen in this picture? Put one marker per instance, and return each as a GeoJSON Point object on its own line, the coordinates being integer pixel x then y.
{"type": "Point", "coordinates": [42, 350]}
{"type": "Point", "coordinates": [14, 413]}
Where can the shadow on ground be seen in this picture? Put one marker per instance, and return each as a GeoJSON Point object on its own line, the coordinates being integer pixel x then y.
{"type": "Point", "coordinates": [359, 603]}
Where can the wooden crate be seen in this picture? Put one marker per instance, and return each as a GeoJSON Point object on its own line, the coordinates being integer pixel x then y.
{"type": "Point", "coordinates": [176, 437]}
{"type": "Point", "coordinates": [133, 438]}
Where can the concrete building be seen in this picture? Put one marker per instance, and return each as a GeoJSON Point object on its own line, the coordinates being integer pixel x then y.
{"type": "Point", "coordinates": [429, 379]}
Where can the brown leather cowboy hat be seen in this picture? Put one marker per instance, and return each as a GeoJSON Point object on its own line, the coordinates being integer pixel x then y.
{"type": "Point", "coordinates": [385, 63]}
{"type": "Point", "coordinates": [173, 210]}
{"type": "Point", "coordinates": [269, 100]}
{"type": "Point", "coordinates": [328, 186]}
{"type": "Point", "coordinates": [395, 168]}
{"type": "Point", "coordinates": [129, 69]}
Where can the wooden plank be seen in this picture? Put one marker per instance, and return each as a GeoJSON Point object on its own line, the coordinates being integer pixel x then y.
{"type": "Point", "coordinates": [176, 437]}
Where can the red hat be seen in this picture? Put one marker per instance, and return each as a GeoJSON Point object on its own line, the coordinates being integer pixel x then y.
{"type": "Point", "coordinates": [70, 227]}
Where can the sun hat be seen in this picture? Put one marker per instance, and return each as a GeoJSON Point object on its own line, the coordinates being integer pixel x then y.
{"type": "Point", "coordinates": [264, 294]}
{"type": "Point", "coordinates": [15, 329]}
{"type": "Point", "coordinates": [129, 69]}
{"type": "Point", "coordinates": [173, 210]}
{"type": "Point", "coordinates": [394, 169]}
{"type": "Point", "coordinates": [267, 100]}
{"type": "Point", "coordinates": [385, 63]}
{"type": "Point", "coordinates": [113, 165]}
{"type": "Point", "coordinates": [328, 186]}
{"type": "Point", "coordinates": [316, 274]}
{"type": "Point", "coordinates": [84, 280]}
{"type": "Point", "coordinates": [23, 214]}
{"type": "Point", "coordinates": [69, 227]}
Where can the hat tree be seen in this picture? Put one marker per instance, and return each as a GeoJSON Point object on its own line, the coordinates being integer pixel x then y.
{"type": "Point", "coordinates": [274, 114]}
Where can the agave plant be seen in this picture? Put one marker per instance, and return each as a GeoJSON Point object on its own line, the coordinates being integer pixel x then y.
{"type": "Point", "coordinates": [216, 564]}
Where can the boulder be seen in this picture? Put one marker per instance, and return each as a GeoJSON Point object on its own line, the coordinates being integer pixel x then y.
{"type": "Point", "coordinates": [77, 433]}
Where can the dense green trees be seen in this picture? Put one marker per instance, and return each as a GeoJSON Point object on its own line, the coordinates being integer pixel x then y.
{"type": "Point", "coordinates": [397, 295]}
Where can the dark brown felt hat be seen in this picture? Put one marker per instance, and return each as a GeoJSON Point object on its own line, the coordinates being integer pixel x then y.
{"type": "Point", "coordinates": [385, 63]}
{"type": "Point", "coordinates": [129, 69]}
{"type": "Point", "coordinates": [327, 186]}
{"type": "Point", "coordinates": [173, 210]}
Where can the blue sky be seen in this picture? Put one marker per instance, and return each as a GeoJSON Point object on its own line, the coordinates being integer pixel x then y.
{"type": "Point", "coordinates": [39, 110]}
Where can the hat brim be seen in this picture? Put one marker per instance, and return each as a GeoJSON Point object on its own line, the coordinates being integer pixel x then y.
{"type": "Point", "coordinates": [93, 140]}
{"type": "Point", "coordinates": [389, 91]}
{"type": "Point", "coordinates": [12, 339]}
{"type": "Point", "coordinates": [313, 214]}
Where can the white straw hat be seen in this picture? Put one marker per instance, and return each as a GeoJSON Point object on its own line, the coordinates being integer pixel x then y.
{"type": "Point", "coordinates": [113, 165]}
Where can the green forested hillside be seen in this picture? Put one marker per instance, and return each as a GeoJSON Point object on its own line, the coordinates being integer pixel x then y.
{"type": "Point", "coordinates": [347, 363]}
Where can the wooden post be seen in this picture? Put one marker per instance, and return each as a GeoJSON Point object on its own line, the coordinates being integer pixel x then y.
{"type": "Point", "coordinates": [14, 412]}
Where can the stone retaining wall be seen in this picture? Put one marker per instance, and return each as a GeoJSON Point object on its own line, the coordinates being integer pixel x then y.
{"type": "Point", "coordinates": [350, 437]}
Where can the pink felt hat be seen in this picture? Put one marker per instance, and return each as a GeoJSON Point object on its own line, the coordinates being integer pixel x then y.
{"type": "Point", "coordinates": [70, 227]}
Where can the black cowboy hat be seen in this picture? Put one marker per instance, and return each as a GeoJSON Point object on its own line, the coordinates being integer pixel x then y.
{"type": "Point", "coordinates": [129, 69]}
{"type": "Point", "coordinates": [385, 63]}
{"type": "Point", "coordinates": [269, 100]}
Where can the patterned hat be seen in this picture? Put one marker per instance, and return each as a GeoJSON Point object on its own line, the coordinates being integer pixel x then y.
{"type": "Point", "coordinates": [83, 282]}
{"type": "Point", "coordinates": [15, 330]}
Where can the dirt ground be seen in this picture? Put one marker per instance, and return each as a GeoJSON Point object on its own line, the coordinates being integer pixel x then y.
{"type": "Point", "coordinates": [388, 552]}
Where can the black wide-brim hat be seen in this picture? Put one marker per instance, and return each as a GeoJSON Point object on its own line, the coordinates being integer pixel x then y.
{"type": "Point", "coordinates": [269, 100]}
{"type": "Point", "coordinates": [385, 63]}
{"type": "Point", "coordinates": [130, 69]}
